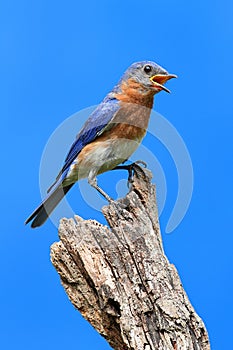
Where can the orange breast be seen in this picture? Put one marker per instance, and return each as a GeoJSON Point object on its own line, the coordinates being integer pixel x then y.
{"type": "Point", "coordinates": [134, 92]}
{"type": "Point", "coordinates": [124, 131]}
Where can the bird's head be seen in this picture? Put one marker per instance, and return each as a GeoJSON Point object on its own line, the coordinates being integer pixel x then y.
{"type": "Point", "coordinates": [149, 75]}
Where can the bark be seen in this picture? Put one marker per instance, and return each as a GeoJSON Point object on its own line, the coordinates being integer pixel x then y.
{"type": "Point", "coordinates": [120, 280]}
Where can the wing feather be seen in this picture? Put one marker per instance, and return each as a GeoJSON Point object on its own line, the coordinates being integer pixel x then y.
{"type": "Point", "coordinates": [95, 125]}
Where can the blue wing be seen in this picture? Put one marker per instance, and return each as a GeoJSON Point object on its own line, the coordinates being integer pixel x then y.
{"type": "Point", "coordinates": [93, 127]}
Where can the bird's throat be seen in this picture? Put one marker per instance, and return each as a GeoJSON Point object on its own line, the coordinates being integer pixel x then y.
{"type": "Point", "coordinates": [134, 92]}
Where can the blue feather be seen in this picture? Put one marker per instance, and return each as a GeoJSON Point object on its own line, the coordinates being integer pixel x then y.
{"type": "Point", "coordinates": [97, 121]}
{"type": "Point", "coordinates": [93, 127]}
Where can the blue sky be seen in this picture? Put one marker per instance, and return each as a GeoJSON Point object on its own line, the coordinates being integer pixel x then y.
{"type": "Point", "coordinates": [60, 57]}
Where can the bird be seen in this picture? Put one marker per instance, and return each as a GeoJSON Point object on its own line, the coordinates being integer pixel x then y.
{"type": "Point", "coordinates": [112, 132]}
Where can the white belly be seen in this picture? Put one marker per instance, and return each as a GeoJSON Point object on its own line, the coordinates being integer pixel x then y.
{"type": "Point", "coordinates": [103, 157]}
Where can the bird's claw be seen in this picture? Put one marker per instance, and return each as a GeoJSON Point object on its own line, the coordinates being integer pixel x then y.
{"type": "Point", "coordinates": [131, 169]}
{"type": "Point", "coordinates": [138, 162]}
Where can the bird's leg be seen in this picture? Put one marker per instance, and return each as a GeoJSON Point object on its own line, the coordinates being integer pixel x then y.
{"type": "Point", "coordinates": [130, 168]}
{"type": "Point", "coordinates": [93, 182]}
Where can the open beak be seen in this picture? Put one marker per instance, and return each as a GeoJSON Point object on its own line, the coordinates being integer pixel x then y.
{"type": "Point", "coordinates": [158, 80]}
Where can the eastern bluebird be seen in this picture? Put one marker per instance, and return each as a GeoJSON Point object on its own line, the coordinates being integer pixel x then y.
{"type": "Point", "coordinates": [110, 135]}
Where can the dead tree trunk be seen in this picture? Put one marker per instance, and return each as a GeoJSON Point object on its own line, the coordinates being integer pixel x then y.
{"type": "Point", "coordinates": [121, 281]}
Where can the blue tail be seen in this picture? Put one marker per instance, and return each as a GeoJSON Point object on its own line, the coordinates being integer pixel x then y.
{"type": "Point", "coordinates": [41, 214]}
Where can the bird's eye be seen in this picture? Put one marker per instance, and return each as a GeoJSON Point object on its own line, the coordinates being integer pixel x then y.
{"type": "Point", "coordinates": [147, 68]}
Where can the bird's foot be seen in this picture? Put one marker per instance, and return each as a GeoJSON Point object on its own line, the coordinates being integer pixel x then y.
{"type": "Point", "coordinates": [131, 168]}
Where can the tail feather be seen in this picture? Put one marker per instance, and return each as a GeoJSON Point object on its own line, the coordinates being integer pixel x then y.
{"type": "Point", "coordinates": [41, 214]}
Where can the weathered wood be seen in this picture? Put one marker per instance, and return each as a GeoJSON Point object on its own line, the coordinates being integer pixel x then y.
{"type": "Point", "coordinates": [121, 281]}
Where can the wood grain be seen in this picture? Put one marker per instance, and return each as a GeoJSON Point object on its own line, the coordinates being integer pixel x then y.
{"type": "Point", "coordinates": [120, 280]}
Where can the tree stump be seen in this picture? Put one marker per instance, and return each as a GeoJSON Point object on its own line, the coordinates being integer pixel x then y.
{"type": "Point", "coordinates": [120, 280]}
